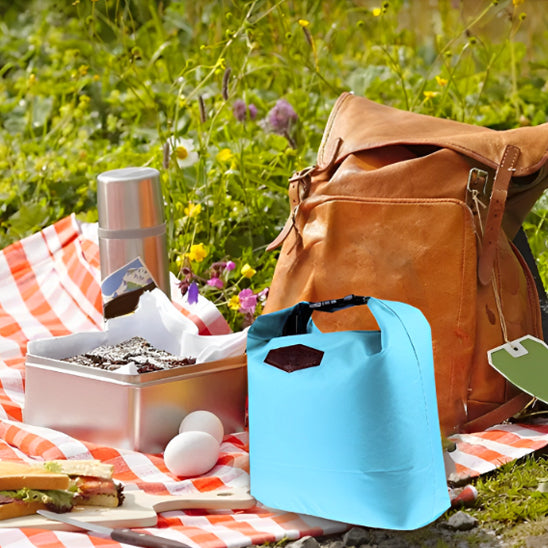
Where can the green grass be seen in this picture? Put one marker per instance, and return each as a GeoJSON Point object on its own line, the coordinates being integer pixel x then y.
{"type": "Point", "coordinates": [87, 86]}
{"type": "Point", "coordinates": [510, 495]}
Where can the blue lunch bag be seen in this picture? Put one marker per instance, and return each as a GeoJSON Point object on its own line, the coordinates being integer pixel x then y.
{"type": "Point", "coordinates": [344, 425]}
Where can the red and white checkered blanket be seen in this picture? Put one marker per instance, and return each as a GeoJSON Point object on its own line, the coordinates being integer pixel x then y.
{"type": "Point", "coordinates": [49, 286]}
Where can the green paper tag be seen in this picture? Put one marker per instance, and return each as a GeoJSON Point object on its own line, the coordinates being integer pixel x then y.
{"type": "Point", "coordinates": [524, 362]}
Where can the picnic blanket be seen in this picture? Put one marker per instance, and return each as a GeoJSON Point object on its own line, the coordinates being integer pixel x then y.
{"type": "Point", "coordinates": [49, 286]}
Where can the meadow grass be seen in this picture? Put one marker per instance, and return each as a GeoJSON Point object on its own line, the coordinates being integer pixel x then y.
{"type": "Point", "coordinates": [87, 86]}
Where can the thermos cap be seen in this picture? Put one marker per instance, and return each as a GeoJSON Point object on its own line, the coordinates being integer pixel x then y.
{"type": "Point", "coordinates": [129, 198]}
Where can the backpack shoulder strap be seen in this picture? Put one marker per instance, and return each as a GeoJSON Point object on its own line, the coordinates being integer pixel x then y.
{"type": "Point", "coordinates": [495, 213]}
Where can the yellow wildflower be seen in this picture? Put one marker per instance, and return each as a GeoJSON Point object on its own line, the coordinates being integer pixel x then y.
{"type": "Point", "coordinates": [376, 12]}
{"type": "Point", "coordinates": [192, 210]}
{"type": "Point", "coordinates": [197, 253]}
{"type": "Point", "coordinates": [247, 271]}
{"type": "Point", "coordinates": [441, 81]}
{"type": "Point", "coordinates": [234, 303]}
{"type": "Point", "coordinates": [304, 23]}
{"type": "Point", "coordinates": [224, 155]}
{"type": "Point", "coordinates": [429, 94]}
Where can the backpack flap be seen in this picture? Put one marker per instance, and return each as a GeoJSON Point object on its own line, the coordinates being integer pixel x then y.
{"type": "Point", "coordinates": [358, 124]}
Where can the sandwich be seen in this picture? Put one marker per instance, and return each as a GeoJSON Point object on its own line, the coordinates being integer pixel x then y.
{"type": "Point", "coordinates": [24, 489]}
{"type": "Point", "coordinates": [91, 481]}
{"type": "Point", "coordinates": [56, 485]}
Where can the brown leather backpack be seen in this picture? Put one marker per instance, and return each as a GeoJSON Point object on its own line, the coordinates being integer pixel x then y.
{"type": "Point", "coordinates": [412, 208]}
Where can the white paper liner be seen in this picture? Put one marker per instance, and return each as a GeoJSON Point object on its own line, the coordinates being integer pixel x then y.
{"type": "Point", "coordinates": [157, 321]}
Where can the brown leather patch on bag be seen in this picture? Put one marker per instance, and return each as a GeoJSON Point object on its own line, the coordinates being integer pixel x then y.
{"type": "Point", "coordinates": [295, 357]}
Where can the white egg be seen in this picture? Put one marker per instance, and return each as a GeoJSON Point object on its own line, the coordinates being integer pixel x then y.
{"type": "Point", "coordinates": [203, 421]}
{"type": "Point", "coordinates": [191, 453]}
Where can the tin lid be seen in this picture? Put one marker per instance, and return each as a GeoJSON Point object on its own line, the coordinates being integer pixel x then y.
{"type": "Point", "coordinates": [129, 198]}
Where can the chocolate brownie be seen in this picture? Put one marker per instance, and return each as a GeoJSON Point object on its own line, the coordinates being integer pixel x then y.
{"type": "Point", "coordinates": [135, 350]}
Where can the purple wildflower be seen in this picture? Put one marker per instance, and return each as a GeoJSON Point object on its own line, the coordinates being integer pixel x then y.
{"type": "Point", "coordinates": [281, 117]}
{"type": "Point", "coordinates": [193, 293]}
{"type": "Point", "coordinates": [215, 282]}
{"type": "Point", "coordinates": [239, 109]}
{"type": "Point", "coordinates": [183, 286]}
{"type": "Point", "coordinates": [248, 301]}
{"type": "Point", "coordinates": [230, 265]}
{"type": "Point", "coordinates": [263, 294]}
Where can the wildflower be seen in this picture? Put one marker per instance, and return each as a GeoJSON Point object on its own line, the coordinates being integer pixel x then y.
{"type": "Point", "coordinates": [376, 12]}
{"type": "Point", "coordinates": [247, 271]}
{"type": "Point", "coordinates": [263, 294]}
{"type": "Point", "coordinates": [192, 210]}
{"type": "Point", "coordinates": [281, 117]}
{"type": "Point", "coordinates": [248, 301]}
{"type": "Point", "coordinates": [441, 81]}
{"type": "Point", "coordinates": [234, 303]}
{"type": "Point", "coordinates": [224, 155]}
{"type": "Point", "coordinates": [304, 23]}
{"type": "Point", "coordinates": [241, 110]}
{"type": "Point", "coordinates": [215, 282]}
{"type": "Point", "coordinates": [197, 253]}
{"type": "Point", "coordinates": [193, 293]}
{"type": "Point", "coordinates": [429, 94]}
{"type": "Point", "coordinates": [183, 151]}
{"type": "Point", "coordinates": [230, 265]}
{"type": "Point", "coordinates": [183, 286]}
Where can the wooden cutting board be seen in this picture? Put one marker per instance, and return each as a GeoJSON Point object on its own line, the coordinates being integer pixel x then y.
{"type": "Point", "coordinates": [139, 509]}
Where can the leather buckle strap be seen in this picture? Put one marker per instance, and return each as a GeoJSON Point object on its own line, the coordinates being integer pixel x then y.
{"type": "Point", "coordinates": [299, 186]}
{"type": "Point", "coordinates": [495, 213]}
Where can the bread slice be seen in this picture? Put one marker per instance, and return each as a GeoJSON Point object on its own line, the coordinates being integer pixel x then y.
{"type": "Point", "coordinates": [16, 475]}
{"type": "Point", "coordinates": [83, 467]}
{"type": "Point", "coordinates": [18, 508]}
{"type": "Point", "coordinates": [93, 482]}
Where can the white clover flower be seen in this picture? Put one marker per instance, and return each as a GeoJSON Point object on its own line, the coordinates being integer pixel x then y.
{"type": "Point", "coordinates": [183, 151]}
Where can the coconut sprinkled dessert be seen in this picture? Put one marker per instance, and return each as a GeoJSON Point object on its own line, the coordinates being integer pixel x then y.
{"type": "Point", "coordinates": [136, 352]}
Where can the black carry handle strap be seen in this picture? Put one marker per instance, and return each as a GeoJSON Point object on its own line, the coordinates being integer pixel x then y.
{"type": "Point", "coordinates": [298, 319]}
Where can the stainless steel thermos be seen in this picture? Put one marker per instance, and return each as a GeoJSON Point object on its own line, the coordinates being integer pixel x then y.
{"type": "Point", "coordinates": [132, 222]}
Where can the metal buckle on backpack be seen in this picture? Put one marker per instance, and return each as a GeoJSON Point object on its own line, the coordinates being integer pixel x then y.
{"type": "Point", "coordinates": [477, 179]}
